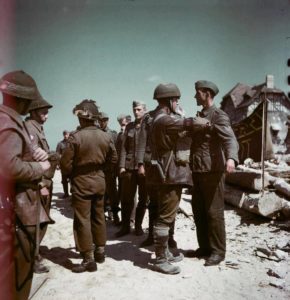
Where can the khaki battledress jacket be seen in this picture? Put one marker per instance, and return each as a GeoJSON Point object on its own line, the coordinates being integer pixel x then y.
{"type": "Point", "coordinates": [164, 134]}
{"type": "Point", "coordinates": [89, 152]}
{"type": "Point", "coordinates": [19, 174]}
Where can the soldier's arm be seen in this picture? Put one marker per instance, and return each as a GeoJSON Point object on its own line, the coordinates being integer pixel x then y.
{"type": "Point", "coordinates": [222, 126]}
{"type": "Point", "coordinates": [123, 152]}
{"type": "Point", "coordinates": [66, 160]}
{"type": "Point", "coordinates": [12, 165]}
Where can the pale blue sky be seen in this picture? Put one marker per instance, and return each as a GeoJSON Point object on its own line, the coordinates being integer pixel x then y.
{"type": "Point", "coordinates": [118, 51]}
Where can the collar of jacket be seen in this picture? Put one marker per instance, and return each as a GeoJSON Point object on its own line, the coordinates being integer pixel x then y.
{"type": "Point", "coordinates": [206, 111]}
{"type": "Point", "coordinates": [12, 114]}
{"type": "Point", "coordinates": [37, 125]}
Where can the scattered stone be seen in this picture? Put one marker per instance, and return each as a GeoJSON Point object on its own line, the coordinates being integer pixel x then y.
{"type": "Point", "coordinates": [277, 272]}
{"type": "Point", "coordinates": [278, 283]}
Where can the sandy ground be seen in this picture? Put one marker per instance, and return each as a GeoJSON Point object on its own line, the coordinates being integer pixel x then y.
{"type": "Point", "coordinates": [126, 273]}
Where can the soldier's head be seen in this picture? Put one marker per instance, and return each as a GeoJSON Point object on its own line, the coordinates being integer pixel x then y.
{"type": "Point", "coordinates": [103, 120]}
{"type": "Point", "coordinates": [87, 111]}
{"type": "Point", "coordinates": [65, 134]}
{"type": "Point", "coordinates": [129, 118]}
{"type": "Point", "coordinates": [167, 94]}
{"type": "Point", "coordinates": [205, 92]}
{"type": "Point", "coordinates": [139, 109]}
{"type": "Point", "coordinates": [39, 110]}
{"type": "Point", "coordinates": [122, 120]}
{"type": "Point", "coordinates": [19, 90]}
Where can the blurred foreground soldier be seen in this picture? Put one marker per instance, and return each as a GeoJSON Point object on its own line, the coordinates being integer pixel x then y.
{"type": "Point", "coordinates": [166, 173]}
{"type": "Point", "coordinates": [111, 195]}
{"type": "Point", "coordinates": [212, 154]}
{"type": "Point", "coordinates": [38, 110]}
{"type": "Point", "coordinates": [22, 166]}
{"type": "Point", "coordinates": [132, 176]}
{"type": "Point", "coordinates": [89, 152]}
{"type": "Point", "coordinates": [60, 149]}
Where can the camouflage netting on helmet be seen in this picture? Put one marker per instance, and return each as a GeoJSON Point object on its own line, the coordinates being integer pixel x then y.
{"type": "Point", "coordinates": [19, 84]}
{"type": "Point", "coordinates": [87, 109]}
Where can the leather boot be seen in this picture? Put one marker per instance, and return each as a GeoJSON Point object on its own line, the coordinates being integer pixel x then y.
{"type": "Point", "coordinates": [161, 243]}
{"type": "Point", "coordinates": [38, 266]}
{"type": "Point", "coordinates": [140, 212]}
{"type": "Point", "coordinates": [173, 259]}
{"type": "Point", "coordinates": [123, 231]}
{"type": "Point", "coordinates": [88, 263]}
{"type": "Point", "coordinates": [65, 190]}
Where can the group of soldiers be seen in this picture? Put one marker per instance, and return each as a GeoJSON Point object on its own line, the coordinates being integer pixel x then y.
{"type": "Point", "coordinates": [159, 153]}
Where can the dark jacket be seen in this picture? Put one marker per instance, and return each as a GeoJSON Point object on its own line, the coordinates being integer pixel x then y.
{"type": "Point", "coordinates": [164, 135]}
{"type": "Point", "coordinates": [128, 156]}
{"type": "Point", "coordinates": [210, 151]}
{"type": "Point", "coordinates": [89, 152]}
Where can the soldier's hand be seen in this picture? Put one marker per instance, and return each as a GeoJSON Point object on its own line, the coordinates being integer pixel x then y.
{"type": "Point", "coordinates": [196, 123]}
{"type": "Point", "coordinates": [45, 165]}
{"type": "Point", "coordinates": [230, 165]}
{"type": "Point", "coordinates": [141, 170]}
{"type": "Point", "coordinates": [39, 154]}
{"type": "Point", "coordinates": [122, 170]}
{"type": "Point", "coordinates": [200, 123]}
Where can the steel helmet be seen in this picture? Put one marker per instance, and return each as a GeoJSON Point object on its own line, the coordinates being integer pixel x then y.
{"type": "Point", "coordinates": [38, 104]}
{"type": "Point", "coordinates": [166, 90]}
{"type": "Point", "coordinates": [87, 109]}
{"type": "Point", "coordinates": [19, 84]}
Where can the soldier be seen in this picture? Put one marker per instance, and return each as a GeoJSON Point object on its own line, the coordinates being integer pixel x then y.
{"type": "Point", "coordinates": [211, 155]}
{"type": "Point", "coordinates": [21, 169]}
{"type": "Point", "coordinates": [111, 195]}
{"type": "Point", "coordinates": [60, 149]}
{"type": "Point", "coordinates": [165, 171]}
{"type": "Point", "coordinates": [122, 120]}
{"type": "Point", "coordinates": [89, 151]}
{"type": "Point", "coordinates": [132, 175]}
{"type": "Point", "coordinates": [34, 123]}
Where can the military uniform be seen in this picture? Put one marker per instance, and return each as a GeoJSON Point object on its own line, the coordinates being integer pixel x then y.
{"type": "Point", "coordinates": [130, 161]}
{"type": "Point", "coordinates": [19, 177]}
{"type": "Point", "coordinates": [111, 195]}
{"type": "Point", "coordinates": [64, 179]}
{"type": "Point", "coordinates": [89, 151]}
{"type": "Point", "coordinates": [37, 137]}
{"type": "Point", "coordinates": [208, 156]}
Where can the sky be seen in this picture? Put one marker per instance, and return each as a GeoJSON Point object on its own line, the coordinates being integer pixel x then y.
{"type": "Point", "coordinates": [118, 51]}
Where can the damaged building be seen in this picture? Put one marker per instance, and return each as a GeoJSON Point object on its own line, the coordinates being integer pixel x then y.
{"type": "Point", "coordinates": [241, 101]}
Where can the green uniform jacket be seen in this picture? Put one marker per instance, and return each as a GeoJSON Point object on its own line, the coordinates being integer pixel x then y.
{"type": "Point", "coordinates": [210, 151]}
{"type": "Point", "coordinates": [89, 152]}
{"type": "Point", "coordinates": [130, 144]}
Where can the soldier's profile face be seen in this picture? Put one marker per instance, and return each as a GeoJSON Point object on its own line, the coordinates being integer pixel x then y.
{"type": "Point", "coordinates": [40, 115]}
{"type": "Point", "coordinates": [200, 97]}
{"type": "Point", "coordinates": [138, 112]}
{"type": "Point", "coordinates": [103, 123]}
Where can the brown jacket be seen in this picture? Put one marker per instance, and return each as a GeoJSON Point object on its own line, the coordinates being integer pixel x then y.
{"type": "Point", "coordinates": [89, 152]}
{"type": "Point", "coordinates": [19, 174]}
{"type": "Point", "coordinates": [164, 134]}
